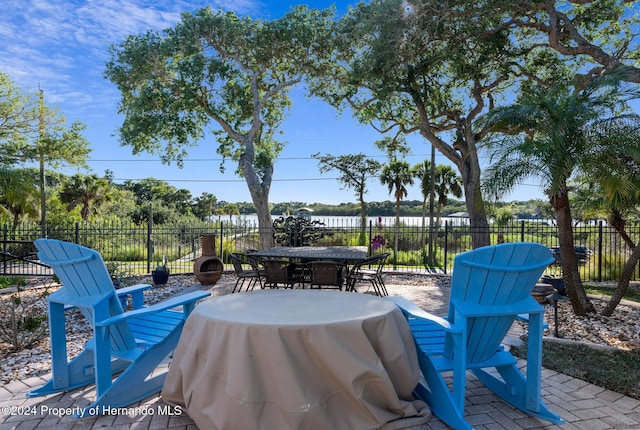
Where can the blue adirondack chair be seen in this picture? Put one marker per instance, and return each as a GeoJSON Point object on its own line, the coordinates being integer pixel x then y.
{"type": "Point", "coordinates": [128, 344]}
{"type": "Point", "coordinates": [490, 286]}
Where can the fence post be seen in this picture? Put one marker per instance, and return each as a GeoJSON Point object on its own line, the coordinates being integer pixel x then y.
{"type": "Point", "coordinates": [77, 233]}
{"type": "Point", "coordinates": [5, 238]}
{"type": "Point", "coordinates": [600, 251]}
{"type": "Point", "coordinates": [149, 243]}
{"type": "Point", "coordinates": [446, 244]}
{"type": "Point", "coordinates": [370, 236]}
{"type": "Point", "coordinates": [221, 239]}
{"type": "Point", "coordinates": [522, 231]}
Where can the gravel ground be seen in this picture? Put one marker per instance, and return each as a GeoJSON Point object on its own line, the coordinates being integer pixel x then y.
{"type": "Point", "coordinates": [622, 330]}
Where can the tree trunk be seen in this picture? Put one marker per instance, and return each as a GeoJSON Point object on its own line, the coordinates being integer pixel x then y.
{"type": "Point", "coordinates": [464, 155]}
{"type": "Point", "coordinates": [362, 237]}
{"type": "Point", "coordinates": [43, 200]}
{"type": "Point", "coordinates": [478, 223]}
{"type": "Point", "coordinates": [395, 234]}
{"type": "Point", "coordinates": [259, 190]}
{"type": "Point", "coordinates": [469, 168]}
{"type": "Point", "coordinates": [573, 285]}
{"type": "Point", "coordinates": [432, 199]}
{"type": "Point", "coordinates": [618, 223]}
{"type": "Point", "coordinates": [363, 214]}
{"type": "Point", "coordinates": [85, 211]}
{"type": "Point", "coordinates": [423, 241]}
{"type": "Point", "coordinates": [424, 217]}
{"type": "Point", "coordinates": [616, 220]}
{"type": "Point", "coordinates": [265, 222]}
{"type": "Point", "coordinates": [623, 282]}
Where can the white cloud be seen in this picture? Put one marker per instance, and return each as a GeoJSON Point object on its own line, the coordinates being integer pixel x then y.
{"type": "Point", "coordinates": [61, 45]}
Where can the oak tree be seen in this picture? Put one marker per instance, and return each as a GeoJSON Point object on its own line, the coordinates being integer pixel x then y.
{"type": "Point", "coordinates": [407, 72]}
{"type": "Point", "coordinates": [220, 72]}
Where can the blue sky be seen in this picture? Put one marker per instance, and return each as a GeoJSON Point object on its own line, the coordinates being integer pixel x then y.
{"type": "Point", "coordinates": [61, 47]}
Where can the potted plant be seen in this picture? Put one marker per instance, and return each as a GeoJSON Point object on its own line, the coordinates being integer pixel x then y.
{"type": "Point", "coordinates": [161, 273]}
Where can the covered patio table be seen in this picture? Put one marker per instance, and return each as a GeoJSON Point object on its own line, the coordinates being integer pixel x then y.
{"type": "Point", "coordinates": [296, 360]}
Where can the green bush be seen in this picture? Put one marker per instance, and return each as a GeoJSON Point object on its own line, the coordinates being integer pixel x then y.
{"type": "Point", "coordinates": [23, 319]}
{"type": "Point", "coordinates": [11, 281]}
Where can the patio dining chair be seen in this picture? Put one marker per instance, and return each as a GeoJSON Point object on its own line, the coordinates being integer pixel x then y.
{"type": "Point", "coordinates": [282, 273]}
{"type": "Point", "coordinates": [369, 270]}
{"type": "Point", "coordinates": [490, 287]}
{"type": "Point", "coordinates": [327, 274]}
{"type": "Point", "coordinates": [126, 347]}
{"type": "Point", "coordinates": [256, 265]}
{"type": "Point", "coordinates": [251, 275]}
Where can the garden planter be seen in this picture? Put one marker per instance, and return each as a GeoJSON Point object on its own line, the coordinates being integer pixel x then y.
{"type": "Point", "coordinates": [160, 275]}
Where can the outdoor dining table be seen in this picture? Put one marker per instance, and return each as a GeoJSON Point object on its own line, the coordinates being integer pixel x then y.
{"type": "Point", "coordinates": [348, 254]}
{"type": "Point", "coordinates": [287, 359]}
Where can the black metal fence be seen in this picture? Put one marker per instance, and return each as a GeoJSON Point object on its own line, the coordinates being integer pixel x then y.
{"type": "Point", "coordinates": [137, 249]}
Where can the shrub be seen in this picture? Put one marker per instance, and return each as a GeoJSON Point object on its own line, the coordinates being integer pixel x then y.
{"type": "Point", "coordinates": [11, 281]}
{"type": "Point", "coordinates": [121, 274]}
{"type": "Point", "coordinates": [23, 318]}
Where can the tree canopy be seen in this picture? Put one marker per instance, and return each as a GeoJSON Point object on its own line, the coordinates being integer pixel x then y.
{"type": "Point", "coordinates": [434, 67]}
{"type": "Point", "coordinates": [218, 69]}
{"type": "Point", "coordinates": [422, 71]}
{"type": "Point", "coordinates": [18, 116]}
{"type": "Point", "coordinates": [32, 131]}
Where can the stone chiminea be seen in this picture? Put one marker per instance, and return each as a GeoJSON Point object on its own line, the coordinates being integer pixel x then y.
{"type": "Point", "coordinates": [208, 268]}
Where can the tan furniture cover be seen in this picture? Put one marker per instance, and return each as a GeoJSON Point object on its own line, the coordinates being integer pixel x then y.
{"type": "Point", "coordinates": [279, 360]}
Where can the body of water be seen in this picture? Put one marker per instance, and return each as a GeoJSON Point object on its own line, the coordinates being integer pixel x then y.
{"type": "Point", "coordinates": [354, 221]}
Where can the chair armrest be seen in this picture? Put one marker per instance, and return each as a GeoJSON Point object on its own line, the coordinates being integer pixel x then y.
{"type": "Point", "coordinates": [133, 289]}
{"type": "Point", "coordinates": [411, 309]}
{"type": "Point", "coordinates": [63, 297]}
{"type": "Point", "coordinates": [170, 303]}
{"type": "Point", "coordinates": [136, 292]}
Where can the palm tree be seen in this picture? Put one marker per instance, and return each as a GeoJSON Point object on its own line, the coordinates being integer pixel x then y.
{"type": "Point", "coordinates": [84, 190]}
{"type": "Point", "coordinates": [422, 172]}
{"type": "Point", "coordinates": [546, 136]}
{"type": "Point", "coordinates": [447, 183]}
{"type": "Point", "coordinates": [396, 175]}
{"type": "Point", "coordinates": [229, 209]}
{"type": "Point", "coordinates": [615, 174]}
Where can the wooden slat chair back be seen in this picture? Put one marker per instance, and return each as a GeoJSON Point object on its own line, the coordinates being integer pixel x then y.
{"type": "Point", "coordinates": [278, 272]}
{"type": "Point", "coordinates": [327, 274]}
{"type": "Point", "coordinates": [490, 287]}
{"type": "Point", "coordinates": [129, 344]}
